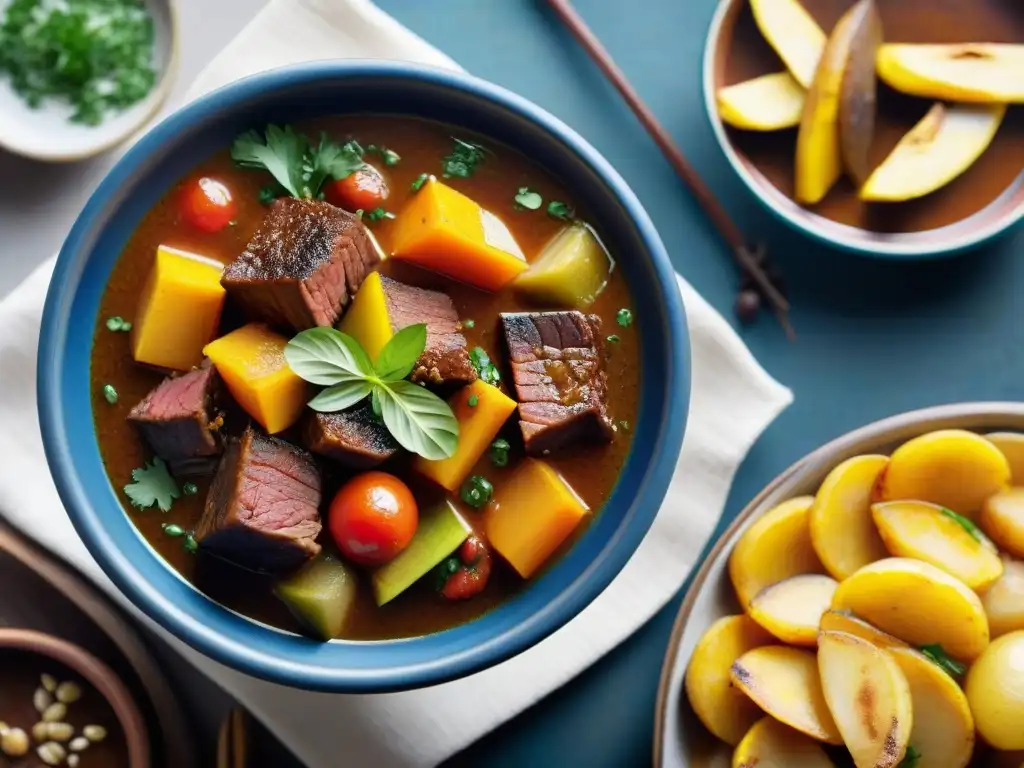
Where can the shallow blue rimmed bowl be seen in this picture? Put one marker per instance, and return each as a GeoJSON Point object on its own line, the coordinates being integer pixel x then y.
{"type": "Point", "coordinates": [285, 95]}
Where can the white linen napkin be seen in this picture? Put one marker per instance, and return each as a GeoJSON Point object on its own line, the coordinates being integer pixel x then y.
{"type": "Point", "coordinates": [733, 400]}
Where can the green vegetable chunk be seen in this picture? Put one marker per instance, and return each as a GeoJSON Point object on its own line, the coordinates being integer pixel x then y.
{"type": "Point", "coordinates": [499, 452]}
{"type": "Point", "coordinates": [320, 596]}
{"type": "Point", "coordinates": [476, 491]}
{"type": "Point", "coordinates": [441, 530]}
{"type": "Point", "coordinates": [624, 317]}
{"type": "Point", "coordinates": [110, 394]}
{"type": "Point", "coordinates": [572, 269]}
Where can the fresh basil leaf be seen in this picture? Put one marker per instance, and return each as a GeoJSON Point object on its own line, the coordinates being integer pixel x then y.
{"type": "Point", "coordinates": [400, 354]}
{"type": "Point", "coordinates": [326, 356]}
{"type": "Point", "coordinates": [341, 396]}
{"type": "Point", "coordinates": [419, 420]}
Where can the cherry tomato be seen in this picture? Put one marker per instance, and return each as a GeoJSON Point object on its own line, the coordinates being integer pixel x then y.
{"type": "Point", "coordinates": [207, 204]}
{"type": "Point", "coordinates": [466, 572]}
{"type": "Point", "coordinates": [372, 518]}
{"type": "Point", "coordinates": [363, 190]}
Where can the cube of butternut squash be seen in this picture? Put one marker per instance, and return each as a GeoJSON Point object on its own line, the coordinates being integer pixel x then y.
{"type": "Point", "coordinates": [531, 515]}
{"type": "Point", "coordinates": [179, 310]}
{"type": "Point", "coordinates": [443, 230]}
{"type": "Point", "coordinates": [251, 362]}
{"type": "Point", "coordinates": [478, 425]}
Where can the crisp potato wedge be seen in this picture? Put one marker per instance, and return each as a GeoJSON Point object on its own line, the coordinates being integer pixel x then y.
{"type": "Point", "coordinates": [784, 682]}
{"type": "Point", "coordinates": [844, 621]}
{"type": "Point", "coordinates": [767, 103]}
{"type": "Point", "coordinates": [791, 610]}
{"type": "Point", "coordinates": [1012, 446]}
{"type": "Point", "coordinates": [725, 711]}
{"type": "Point", "coordinates": [842, 531]}
{"type": "Point", "coordinates": [1004, 600]}
{"type": "Point", "coordinates": [1002, 518]}
{"type": "Point", "coordinates": [926, 532]}
{"type": "Point", "coordinates": [793, 33]}
{"type": "Point", "coordinates": [951, 467]}
{"type": "Point", "coordinates": [775, 547]}
{"type": "Point", "coordinates": [770, 744]}
{"type": "Point", "coordinates": [995, 690]}
{"type": "Point", "coordinates": [943, 732]}
{"type": "Point", "coordinates": [918, 603]}
{"type": "Point", "coordinates": [869, 698]}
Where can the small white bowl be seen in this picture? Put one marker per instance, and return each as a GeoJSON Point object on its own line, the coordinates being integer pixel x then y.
{"type": "Point", "coordinates": [47, 134]}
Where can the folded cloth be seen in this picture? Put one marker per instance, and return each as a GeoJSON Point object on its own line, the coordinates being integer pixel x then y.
{"type": "Point", "coordinates": [733, 400]}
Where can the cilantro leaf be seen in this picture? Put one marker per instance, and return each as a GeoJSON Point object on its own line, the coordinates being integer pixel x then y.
{"type": "Point", "coordinates": [330, 160]}
{"type": "Point", "coordinates": [527, 198]}
{"type": "Point", "coordinates": [282, 152]}
{"type": "Point", "coordinates": [463, 160]}
{"type": "Point", "coordinates": [153, 485]}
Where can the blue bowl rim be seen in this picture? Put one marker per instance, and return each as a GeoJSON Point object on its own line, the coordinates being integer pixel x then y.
{"type": "Point", "coordinates": [843, 236]}
{"type": "Point", "coordinates": [568, 602]}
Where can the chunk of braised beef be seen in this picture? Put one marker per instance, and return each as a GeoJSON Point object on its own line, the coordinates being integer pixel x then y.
{"type": "Point", "coordinates": [353, 438]}
{"type": "Point", "coordinates": [180, 422]}
{"type": "Point", "coordinates": [262, 511]}
{"type": "Point", "coordinates": [557, 363]}
{"type": "Point", "coordinates": [302, 266]}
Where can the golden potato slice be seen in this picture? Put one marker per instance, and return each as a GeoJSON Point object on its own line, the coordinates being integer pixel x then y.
{"type": "Point", "coordinates": [1002, 518]}
{"type": "Point", "coordinates": [951, 467]}
{"type": "Point", "coordinates": [995, 690]}
{"type": "Point", "coordinates": [918, 603]}
{"type": "Point", "coordinates": [1012, 446]}
{"type": "Point", "coordinates": [1004, 600]}
{"type": "Point", "coordinates": [844, 621]}
{"type": "Point", "coordinates": [943, 732]}
{"type": "Point", "coordinates": [931, 533]}
{"type": "Point", "coordinates": [784, 682]}
{"type": "Point", "coordinates": [725, 711]}
{"type": "Point", "coordinates": [770, 744]}
{"type": "Point", "coordinates": [869, 698]}
{"type": "Point", "coordinates": [775, 547]}
{"type": "Point", "coordinates": [842, 531]}
{"type": "Point", "coordinates": [792, 609]}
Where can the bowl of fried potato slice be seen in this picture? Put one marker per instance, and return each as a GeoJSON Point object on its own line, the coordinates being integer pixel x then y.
{"type": "Point", "coordinates": [866, 609]}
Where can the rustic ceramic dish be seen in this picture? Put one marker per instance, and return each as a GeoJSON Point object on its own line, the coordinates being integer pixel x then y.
{"type": "Point", "coordinates": [986, 200]}
{"type": "Point", "coordinates": [680, 740]}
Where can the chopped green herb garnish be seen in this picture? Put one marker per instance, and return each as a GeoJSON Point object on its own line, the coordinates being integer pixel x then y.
{"type": "Point", "coordinates": [95, 55]}
{"type": "Point", "coordinates": [379, 213]}
{"type": "Point", "coordinates": [559, 210]}
{"type": "Point", "coordinates": [172, 530]}
{"type": "Point", "coordinates": [420, 181]}
{"type": "Point", "coordinates": [527, 198]}
{"type": "Point", "coordinates": [110, 394]}
{"type": "Point", "coordinates": [486, 370]}
{"type": "Point", "coordinates": [190, 489]}
{"type": "Point", "coordinates": [153, 484]}
{"type": "Point", "coordinates": [118, 324]}
{"type": "Point", "coordinates": [911, 758]}
{"type": "Point", "coordinates": [468, 323]}
{"type": "Point", "coordinates": [476, 491]}
{"type": "Point", "coordinates": [624, 425]}
{"type": "Point", "coordinates": [624, 318]}
{"type": "Point", "coordinates": [498, 452]}
{"type": "Point", "coordinates": [463, 160]}
{"type": "Point", "coordinates": [126, 326]}
{"type": "Point", "coordinates": [613, 339]}
{"type": "Point", "coordinates": [389, 156]}
{"type": "Point", "coordinates": [472, 401]}
{"type": "Point", "coordinates": [190, 544]}
{"type": "Point", "coordinates": [966, 524]}
{"type": "Point", "coordinates": [937, 654]}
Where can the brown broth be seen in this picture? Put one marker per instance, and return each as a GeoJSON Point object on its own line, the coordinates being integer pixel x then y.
{"type": "Point", "coordinates": [590, 470]}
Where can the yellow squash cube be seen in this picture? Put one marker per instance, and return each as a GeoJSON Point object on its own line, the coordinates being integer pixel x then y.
{"type": "Point", "coordinates": [251, 362]}
{"type": "Point", "coordinates": [368, 320]}
{"type": "Point", "coordinates": [443, 230]}
{"type": "Point", "coordinates": [179, 310]}
{"type": "Point", "coordinates": [531, 515]}
{"type": "Point", "coordinates": [478, 424]}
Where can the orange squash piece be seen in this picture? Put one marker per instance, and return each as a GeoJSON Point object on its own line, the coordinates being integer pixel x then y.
{"type": "Point", "coordinates": [478, 424]}
{"type": "Point", "coordinates": [445, 231]}
{"type": "Point", "coordinates": [531, 515]}
{"type": "Point", "coordinates": [251, 362]}
{"type": "Point", "coordinates": [179, 310]}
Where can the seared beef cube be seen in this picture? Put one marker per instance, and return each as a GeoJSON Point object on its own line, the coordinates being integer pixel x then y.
{"type": "Point", "coordinates": [353, 437]}
{"type": "Point", "coordinates": [262, 512]}
{"type": "Point", "coordinates": [558, 369]}
{"type": "Point", "coordinates": [445, 359]}
{"type": "Point", "coordinates": [302, 266]}
{"type": "Point", "coordinates": [178, 421]}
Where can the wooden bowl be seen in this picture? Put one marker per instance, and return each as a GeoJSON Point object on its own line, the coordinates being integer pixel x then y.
{"type": "Point", "coordinates": [95, 673]}
{"type": "Point", "coordinates": [680, 740]}
{"type": "Point", "coordinates": [986, 200]}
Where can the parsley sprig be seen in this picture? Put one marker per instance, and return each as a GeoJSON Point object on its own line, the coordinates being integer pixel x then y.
{"type": "Point", "coordinates": [419, 420]}
{"type": "Point", "coordinates": [153, 484]}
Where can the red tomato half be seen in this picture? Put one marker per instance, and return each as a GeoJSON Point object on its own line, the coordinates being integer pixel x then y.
{"type": "Point", "coordinates": [363, 190]}
{"type": "Point", "coordinates": [372, 518]}
{"type": "Point", "coordinates": [468, 576]}
{"type": "Point", "coordinates": [207, 204]}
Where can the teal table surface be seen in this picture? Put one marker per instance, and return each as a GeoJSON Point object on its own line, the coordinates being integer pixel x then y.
{"type": "Point", "coordinates": [875, 337]}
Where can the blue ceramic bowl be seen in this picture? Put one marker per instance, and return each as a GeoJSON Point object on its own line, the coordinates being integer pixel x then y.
{"type": "Point", "coordinates": [325, 88]}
